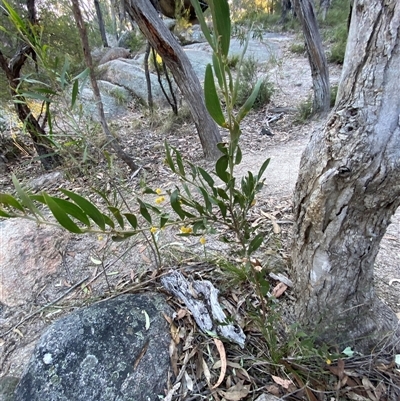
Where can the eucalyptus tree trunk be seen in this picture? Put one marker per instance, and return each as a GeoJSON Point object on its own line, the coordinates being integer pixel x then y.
{"type": "Point", "coordinates": [315, 53]}
{"type": "Point", "coordinates": [100, 21]}
{"type": "Point", "coordinates": [176, 60]}
{"type": "Point", "coordinates": [349, 188]}
{"type": "Point", "coordinates": [324, 6]}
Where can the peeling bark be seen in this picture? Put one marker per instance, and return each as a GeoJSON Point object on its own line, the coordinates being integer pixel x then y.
{"type": "Point", "coordinates": [349, 188]}
{"type": "Point", "coordinates": [176, 60]}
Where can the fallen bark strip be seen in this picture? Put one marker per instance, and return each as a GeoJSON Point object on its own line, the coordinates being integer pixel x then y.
{"type": "Point", "coordinates": [201, 298]}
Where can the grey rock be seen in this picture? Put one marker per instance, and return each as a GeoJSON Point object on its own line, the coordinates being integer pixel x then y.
{"type": "Point", "coordinates": [102, 352]}
{"type": "Point", "coordinates": [114, 100]}
{"type": "Point", "coordinates": [29, 255]}
{"type": "Point", "coordinates": [191, 35]}
{"type": "Point", "coordinates": [115, 53]}
{"type": "Point", "coordinates": [45, 181]}
{"type": "Point", "coordinates": [130, 75]}
{"type": "Point", "coordinates": [7, 387]}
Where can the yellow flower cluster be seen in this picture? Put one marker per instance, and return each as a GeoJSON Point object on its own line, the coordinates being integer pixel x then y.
{"type": "Point", "coordinates": [202, 241]}
{"type": "Point", "coordinates": [160, 199]}
{"type": "Point", "coordinates": [186, 230]}
{"type": "Point", "coordinates": [158, 191]}
{"type": "Point", "coordinates": [153, 230]}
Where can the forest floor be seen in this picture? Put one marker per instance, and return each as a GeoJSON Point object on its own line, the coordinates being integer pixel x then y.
{"type": "Point", "coordinates": [144, 138]}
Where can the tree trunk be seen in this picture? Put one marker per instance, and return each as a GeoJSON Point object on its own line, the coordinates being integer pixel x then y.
{"type": "Point", "coordinates": [286, 7]}
{"type": "Point", "coordinates": [96, 92]}
{"type": "Point", "coordinates": [324, 6]}
{"type": "Point", "coordinates": [42, 144]}
{"type": "Point", "coordinates": [349, 188]}
{"type": "Point", "coordinates": [169, 49]}
{"type": "Point", "coordinates": [315, 53]}
{"type": "Point", "coordinates": [101, 23]}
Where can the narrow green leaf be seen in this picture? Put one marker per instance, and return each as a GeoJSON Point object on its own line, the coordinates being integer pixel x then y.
{"type": "Point", "coordinates": [203, 24]}
{"type": "Point", "coordinates": [255, 243]}
{"type": "Point", "coordinates": [72, 209]}
{"type": "Point", "coordinates": [25, 199]}
{"type": "Point", "coordinates": [222, 194]}
{"type": "Point", "coordinates": [218, 71]}
{"type": "Point", "coordinates": [88, 207]}
{"type": "Point", "coordinates": [108, 221]}
{"type": "Point", "coordinates": [262, 169]}
{"type": "Point", "coordinates": [179, 162]}
{"type": "Point", "coordinates": [206, 199]}
{"type": "Point", "coordinates": [9, 200]}
{"type": "Point", "coordinates": [220, 168]}
{"type": "Point", "coordinates": [175, 204]}
{"type": "Point", "coordinates": [222, 24]}
{"type": "Point", "coordinates": [169, 159]}
{"type": "Point", "coordinates": [75, 90]}
{"type": "Point", "coordinates": [132, 219]}
{"type": "Point", "coordinates": [3, 213]}
{"type": "Point", "coordinates": [223, 147]}
{"type": "Point", "coordinates": [63, 80]}
{"type": "Point", "coordinates": [117, 214]}
{"type": "Point", "coordinates": [249, 102]}
{"type": "Point", "coordinates": [164, 218]}
{"type": "Point", "coordinates": [211, 98]}
{"type": "Point", "coordinates": [148, 190]}
{"type": "Point", "coordinates": [60, 215]}
{"type": "Point", "coordinates": [122, 237]}
{"type": "Point", "coordinates": [207, 177]}
{"type": "Point", "coordinates": [238, 157]}
{"type": "Point", "coordinates": [143, 211]}
{"type": "Point", "coordinates": [223, 208]}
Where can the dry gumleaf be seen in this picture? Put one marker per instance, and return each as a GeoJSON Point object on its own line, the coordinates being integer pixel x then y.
{"type": "Point", "coordinates": [222, 354]}
{"type": "Point", "coordinates": [174, 333]}
{"type": "Point", "coordinates": [240, 370]}
{"type": "Point", "coordinates": [181, 314]}
{"type": "Point", "coordinates": [275, 225]}
{"type": "Point", "coordinates": [278, 290]}
{"type": "Point", "coordinates": [273, 389]}
{"type": "Point", "coordinates": [145, 258]}
{"type": "Point", "coordinates": [206, 371]}
{"type": "Point", "coordinates": [189, 382]}
{"type": "Point", "coordinates": [173, 354]}
{"type": "Point", "coordinates": [171, 392]}
{"type": "Point", "coordinates": [167, 318]}
{"type": "Point", "coordinates": [285, 383]}
{"type": "Point", "coordinates": [236, 392]}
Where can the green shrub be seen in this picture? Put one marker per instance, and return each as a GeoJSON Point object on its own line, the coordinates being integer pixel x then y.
{"type": "Point", "coordinates": [248, 79]}
{"type": "Point", "coordinates": [304, 111]}
{"type": "Point", "coordinates": [297, 48]}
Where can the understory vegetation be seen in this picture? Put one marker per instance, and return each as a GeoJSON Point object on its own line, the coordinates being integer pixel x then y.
{"type": "Point", "coordinates": [208, 204]}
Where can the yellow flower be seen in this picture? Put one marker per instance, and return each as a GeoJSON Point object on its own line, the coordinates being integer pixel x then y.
{"type": "Point", "coordinates": [160, 199]}
{"type": "Point", "coordinates": [202, 241]}
{"type": "Point", "coordinates": [100, 238]}
{"type": "Point", "coordinates": [253, 203]}
{"type": "Point", "coordinates": [153, 230]}
{"type": "Point", "coordinates": [328, 361]}
{"type": "Point", "coordinates": [186, 230]}
{"type": "Point", "coordinates": [158, 191]}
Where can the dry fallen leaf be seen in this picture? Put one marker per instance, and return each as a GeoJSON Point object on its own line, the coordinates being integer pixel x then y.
{"type": "Point", "coordinates": [173, 354]}
{"type": "Point", "coordinates": [175, 333]}
{"type": "Point", "coordinates": [181, 314]}
{"type": "Point", "coordinates": [278, 290]}
{"type": "Point", "coordinates": [206, 371]}
{"type": "Point", "coordinates": [236, 392]}
{"type": "Point", "coordinates": [285, 383]}
{"type": "Point", "coordinates": [222, 354]}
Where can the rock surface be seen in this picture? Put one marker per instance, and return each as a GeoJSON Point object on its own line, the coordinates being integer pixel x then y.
{"type": "Point", "coordinates": [27, 254]}
{"type": "Point", "coordinates": [114, 350]}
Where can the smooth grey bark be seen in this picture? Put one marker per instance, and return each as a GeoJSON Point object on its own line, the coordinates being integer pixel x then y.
{"type": "Point", "coordinates": [324, 6]}
{"type": "Point", "coordinates": [316, 55]}
{"type": "Point", "coordinates": [348, 189]}
{"type": "Point", "coordinates": [100, 21]}
{"type": "Point", "coordinates": [176, 60]}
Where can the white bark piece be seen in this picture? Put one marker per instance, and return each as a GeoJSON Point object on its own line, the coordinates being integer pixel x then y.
{"type": "Point", "coordinates": [201, 298]}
